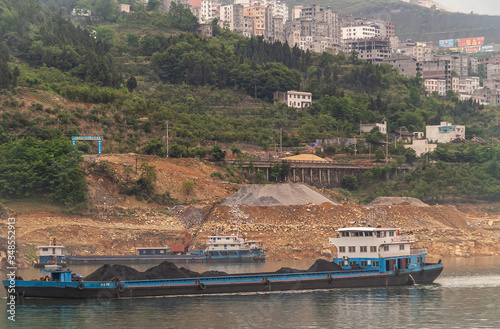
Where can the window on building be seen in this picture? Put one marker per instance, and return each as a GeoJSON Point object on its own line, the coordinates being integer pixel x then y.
{"type": "Point", "coordinates": [373, 249]}
{"type": "Point", "coordinates": [386, 248]}
{"type": "Point", "coordinates": [363, 249]}
{"type": "Point", "coordinates": [375, 263]}
{"type": "Point", "coordinates": [363, 263]}
{"type": "Point", "coordinates": [401, 247]}
{"type": "Point", "coordinates": [352, 249]}
{"type": "Point", "coordinates": [342, 249]}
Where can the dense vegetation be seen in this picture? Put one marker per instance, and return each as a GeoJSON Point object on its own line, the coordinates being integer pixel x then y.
{"type": "Point", "coordinates": [137, 71]}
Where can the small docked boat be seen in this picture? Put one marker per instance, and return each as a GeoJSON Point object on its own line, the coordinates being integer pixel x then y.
{"type": "Point", "coordinates": [51, 256]}
{"type": "Point", "coordinates": [366, 257]}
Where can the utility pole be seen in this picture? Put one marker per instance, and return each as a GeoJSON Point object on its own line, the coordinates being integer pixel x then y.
{"type": "Point", "coordinates": [386, 146]}
{"type": "Point", "coordinates": [167, 136]}
{"type": "Point", "coordinates": [281, 142]}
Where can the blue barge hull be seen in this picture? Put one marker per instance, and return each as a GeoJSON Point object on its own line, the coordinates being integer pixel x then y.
{"type": "Point", "coordinates": [246, 283]}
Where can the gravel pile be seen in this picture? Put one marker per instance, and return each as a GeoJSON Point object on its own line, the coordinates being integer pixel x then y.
{"type": "Point", "coordinates": [276, 195]}
{"type": "Point", "coordinates": [391, 201]}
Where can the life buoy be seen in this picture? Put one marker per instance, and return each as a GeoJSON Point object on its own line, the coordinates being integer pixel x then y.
{"type": "Point", "coordinates": [202, 286]}
{"type": "Point", "coordinates": [120, 288]}
{"type": "Point", "coordinates": [81, 286]}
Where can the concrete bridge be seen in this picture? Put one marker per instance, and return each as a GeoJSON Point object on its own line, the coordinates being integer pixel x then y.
{"type": "Point", "coordinates": [319, 174]}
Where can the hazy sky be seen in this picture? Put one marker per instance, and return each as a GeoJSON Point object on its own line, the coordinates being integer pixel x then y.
{"type": "Point", "coordinates": [484, 7]}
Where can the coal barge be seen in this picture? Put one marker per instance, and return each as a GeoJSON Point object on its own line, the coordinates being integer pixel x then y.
{"type": "Point", "coordinates": [367, 257]}
{"type": "Point", "coordinates": [220, 249]}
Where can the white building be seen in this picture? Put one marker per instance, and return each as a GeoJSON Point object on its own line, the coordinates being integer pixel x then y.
{"type": "Point", "coordinates": [206, 12]}
{"type": "Point", "coordinates": [299, 100]}
{"type": "Point", "coordinates": [367, 127]}
{"type": "Point", "coordinates": [296, 99]}
{"type": "Point", "coordinates": [360, 32]}
{"type": "Point", "coordinates": [421, 146]}
{"type": "Point", "coordinates": [435, 85]}
{"type": "Point", "coordinates": [226, 16]}
{"type": "Point", "coordinates": [123, 8]}
{"type": "Point", "coordinates": [464, 85]}
{"type": "Point", "coordinates": [444, 132]}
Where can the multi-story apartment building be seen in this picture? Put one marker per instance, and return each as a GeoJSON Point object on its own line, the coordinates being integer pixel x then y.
{"type": "Point", "coordinates": [407, 66]}
{"type": "Point", "coordinates": [296, 10]}
{"type": "Point", "coordinates": [226, 16]}
{"type": "Point", "coordinates": [491, 68]}
{"type": "Point", "coordinates": [420, 51]}
{"type": "Point", "coordinates": [487, 95]}
{"type": "Point", "coordinates": [278, 8]}
{"type": "Point", "coordinates": [373, 50]}
{"type": "Point", "coordinates": [274, 26]}
{"type": "Point", "coordinates": [464, 85]}
{"type": "Point", "coordinates": [436, 69]}
{"type": "Point", "coordinates": [435, 85]}
{"type": "Point", "coordinates": [459, 63]}
{"type": "Point", "coordinates": [360, 32]}
{"type": "Point", "coordinates": [257, 13]}
{"type": "Point", "coordinates": [320, 16]}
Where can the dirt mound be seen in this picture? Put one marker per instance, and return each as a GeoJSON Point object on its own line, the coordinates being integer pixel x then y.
{"type": "Point", "coordinates": [390, 201]}
{"type": "Point", "coordinates": [276, 195]}
{"type": "Point", "coordinates": [109, 272]}
{"type": "Point", "coordinates": [322, 265]}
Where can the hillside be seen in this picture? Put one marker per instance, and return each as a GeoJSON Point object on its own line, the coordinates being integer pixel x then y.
{"type": "Point", "coordinates": [119, 223]}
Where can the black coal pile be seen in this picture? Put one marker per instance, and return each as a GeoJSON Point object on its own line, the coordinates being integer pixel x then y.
{"type": "Point", "coordinates": [168, 270]}
{"type": "Point", "coordinates": [110, 272]}
{"type": "Point", "coordinates": [288, 270]}
{"type": "Point", "coordinates": [322, 265]}
{"type": "Point", "coordinates": [165, 270]}
{"type": "Point", "coordinates": [213, 273]}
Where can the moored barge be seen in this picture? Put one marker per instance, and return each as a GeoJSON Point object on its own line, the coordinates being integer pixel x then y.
{"type": "Point", "coordinates": [373, 257]}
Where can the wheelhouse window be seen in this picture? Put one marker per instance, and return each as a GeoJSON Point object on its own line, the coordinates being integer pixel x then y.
{"type": "Point", "coordinates": [401, 247]}
{"type": "Point", "coordinates": [363, 249]}
{"type": "Point", "coordinates": [352, 249]}
{"type": "Point", "coordinates": [391, 233]}
{"type": "Point", "coordinates": [386, 248]}
{"type": "Point", "coordinates": [373, 249]}
{"type": "Point", "coordinates": [342, 249]}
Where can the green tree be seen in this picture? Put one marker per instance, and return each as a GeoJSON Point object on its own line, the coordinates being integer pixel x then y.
{"type": "Point", "coordinates": [218, 153]}
{"type": "Point", "coordinates": [379, 154]}
{"type": "Point", "coordinates": [349, 182]}
{"type": "Point", "coordinates": [131, 84]}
